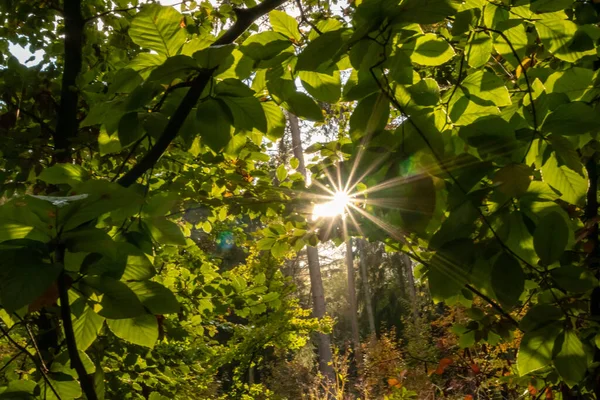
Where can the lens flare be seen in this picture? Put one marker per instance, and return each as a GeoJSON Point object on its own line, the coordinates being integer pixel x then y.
{"type": "Point", "coordinates": [336, 206]}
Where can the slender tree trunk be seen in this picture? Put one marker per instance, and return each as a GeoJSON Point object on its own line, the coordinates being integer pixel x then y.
{"type": "Point", "coordinates": [591, 214]}
{"type": "Point", "coordinates": [363, 247]}
{"type": "Point", "coordinates": [312, 255]}
{"type": "Point", "coordinates": [352, 301]}
{"type": "Point", "coordinates": [412, 291]}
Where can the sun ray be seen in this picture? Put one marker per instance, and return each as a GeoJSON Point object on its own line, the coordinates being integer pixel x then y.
{"type": "Point", "coordinates": [392, 230]}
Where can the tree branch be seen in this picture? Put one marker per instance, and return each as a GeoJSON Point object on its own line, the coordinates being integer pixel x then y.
{"type": "Point", "coordinates": [591, 214]}
{"type": "Point", "coordinates": [85, 380]}
{"type": "Point", "coordinates": [67, 124]}
{"type": "Point", "coordinates": [116, 10]}
{"type": "Point", "coordinates": [245, 18]}
{"type": "Point", "coordinates": [124, 10]}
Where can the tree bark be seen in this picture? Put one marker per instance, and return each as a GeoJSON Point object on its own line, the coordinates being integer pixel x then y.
{"type": "Point", "coordinates": [412, 291]}
{"type": "Point", "coordinates": [591, 214]}
{"type": "Point", "coordinates": [312, 255]}
{"type": "Point", "coordinates": [352, 301]}
{"type": "Point", "coordinates": [363, 247]}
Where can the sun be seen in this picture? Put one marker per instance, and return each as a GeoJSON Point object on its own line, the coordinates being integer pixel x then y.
{"type": "Point", "coordinates": [339, 203]}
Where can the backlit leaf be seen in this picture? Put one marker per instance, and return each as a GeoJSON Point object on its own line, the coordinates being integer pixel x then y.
{"type": "Point", "coordinates": [158, 28]}
{"type": "Point", "coordinates": [142, 330]}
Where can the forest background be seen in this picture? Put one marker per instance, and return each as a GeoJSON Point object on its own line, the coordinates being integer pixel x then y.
{"type": "Point", "coordinates": [378, 199]}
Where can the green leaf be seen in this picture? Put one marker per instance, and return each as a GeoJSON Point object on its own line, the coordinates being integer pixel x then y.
{"type": "Point", "coordinates": [138, 266]}
{"type": "Point", "coordinates": [211, 57]}
{"type": "Point", "coordinates": [280, 249]}
{"type": "Point", "coordinates": [558, 37]}
{"type": "Point", "coordinates": [144, 63]}
{"type": "Point", "coordinates": [492, 136]}
{"type": "Point", "coordinates": [570, 184]}
{"type": "Point", "coordinates": [108, 144]}
{"type": "Point", "coordinates": [575, 82]}
{"type": "Point", "coordinates": [118, 301]}
{"type": "Point", "coordinates": [573, 118]}
{"type": "Point", "coordinates": [207, 226]}
{"type": "Point", "coordinates": [158, 28]}
{"type": "Point", "coordinates": [324, 87]}
{"type": "Point", "coordinates": [449, 269]}
{"type": "Point", "coordinates": [370, 116]}
{"type": "Point", "coordinates": [281, 173]}
{"type": "Point", "coordinates": [13, 226]}
{"type": "Point", "coordinates": [63, 382]}
{"type": "Point", "coordinates": [517, 237]}
{"type": "Point", "coordinates": [101, 197]}
{"type": "Point", "coordinates": [164, 231]}
{"type": "Point", "coordinates": [535, 350]}
{"type": "Point", "coordinates": [247, 113]}
{"type": "Point", "coordinates": [573, 278]}
{"type": "Point", "coordinates": [427, 11]}
{"type": "Point", "coordinates": [86, 328]}
{"type": "Point", "coordinates": [514, 38]}
{"type": "Point", "coordinates": [214, 123]}
{"type": "Point", "coordinates": [275, 120]}
{"type": "Point", "coordinates": [320, 50]}
{"type": "Point", "coordinates": [303, 106]}
{"type": "Point", "coordinates": [196, 44]}
{"type": "Point", "coordinates": [571, 360]}
{"type": "Point", "coordinates": [360, 84]}
{"type": "Point", "coordinates": [508, 280]}
{"type": "Point", "coordinates": [285, 24]}
{"type": "Point", "coordinates": [174, 67]}
{"type": "Point", "coordinates": [130, 129]}
{"type": "Point", "coordinates": [428, 50]}
{"type": "Point", "coordinates": [486, 88]}
{"type": "Point", "coordinates": [265, 45]}
{"type": "Point", "coordinates": [479, 49]}
{"type": "Point", "coordinates": [142, 330]}
{"type": "Point", "coordinates": [58, 174]}
{"type": "Point", "coordinates": [294, 163]}
{"type": "Point", "coordinates": [125, 80]}
{"type": "Point", "coordinates": [426, 92]}
{"type": "Point", "coordinates": [542, 6]}
{"type": "Point", "coordinates": [24, 277]}
{"type": "Point", "coordinates": [566, 152]}
{"type": "Point", "coordinates": [155, 297]}
{"type": "Point", "coordinates": [539, 316]}
{"type": "Point", "coordinates": [514, 179]}
{"type": "Point", "coordinates": [234, 88]}
{"type": "Point", "coordinates": [18, 390]}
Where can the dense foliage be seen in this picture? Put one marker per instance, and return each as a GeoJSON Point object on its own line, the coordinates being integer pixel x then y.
{"type": "Point", "coordinates": [145, 219]}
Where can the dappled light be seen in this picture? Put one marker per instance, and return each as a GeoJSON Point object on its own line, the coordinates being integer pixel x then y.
{"type": "Point", "coordinates": [300, 200]}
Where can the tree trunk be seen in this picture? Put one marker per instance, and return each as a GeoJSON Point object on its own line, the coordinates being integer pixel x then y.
{"type": "Point", "coordinates": [363, 247]}
{"type": "Point", "coordinates": [412, 291]}
{"type": "Point", "coordinates": [352, 301]}
{"type": "Point", "coordinates": [591, 214]}
{"type": "Point", "coordinates": [312, 255]}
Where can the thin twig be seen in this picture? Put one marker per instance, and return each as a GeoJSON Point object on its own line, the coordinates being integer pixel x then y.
{"type": "Point", "coordinates": [170, 89]}
{"type": "Point", "coordinates": [529, 90]}
{"type": "Point", "coordinates": [443, 166]}
{"type": "Point", "coordinates": [13, 358]}
{"type": "Point", "coordinates": [133, 149]}
{"type": "Point", "coordinates": [124, 10]}
{"type": "Point", "coordinates": [35, 346]}
{"type": "Point", "coordinates": [24, 350]}
{"type": "Point", "coordinates": [304, 19]}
